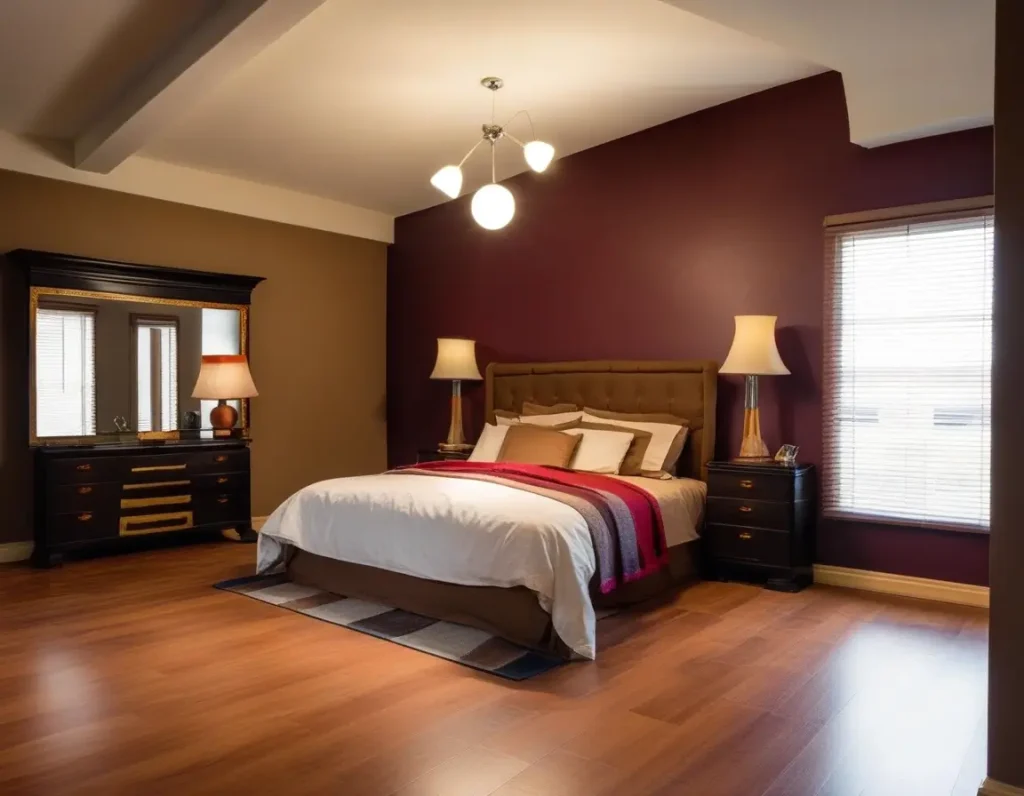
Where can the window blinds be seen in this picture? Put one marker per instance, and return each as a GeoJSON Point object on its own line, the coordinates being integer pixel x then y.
{"type": "Point", "coordinates": [65, 373]}
{"type": "Point", "coordinates": [908, 364]}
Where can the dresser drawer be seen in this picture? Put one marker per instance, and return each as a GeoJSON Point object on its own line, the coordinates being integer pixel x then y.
{"type": "Point", "coordinates": [217, 507]}
{"type": "Point", "coordinates": [83, 526]}
{"type": "Point", "coordinates": [752, 486]}
{"type": "Point", "coordinates": [79, 471]}
{"type": "Point", "coordinates": [756, 545]}
{"type": "Point", "coordinates": [221, 461]}
{"type": "Point", "coordinates": [757, 513]}
{"type": "Point", "coordinates": [76, 498]}
{"type": "Point", "coordinates": [220, 482]}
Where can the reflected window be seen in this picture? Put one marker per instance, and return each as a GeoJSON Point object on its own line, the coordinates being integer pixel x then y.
{"type": "Point", "coordinates": [65, 372]}
{"type": "Point", "coordinates": [156, 373]}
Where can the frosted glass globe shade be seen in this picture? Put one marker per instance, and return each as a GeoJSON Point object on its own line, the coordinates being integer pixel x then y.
{"type": "Point", "coordinates": [538, 154]}
{"type": "Point", "coordinates": [448, 181]}
{"type": "Point", "coordinates": [493, 206]}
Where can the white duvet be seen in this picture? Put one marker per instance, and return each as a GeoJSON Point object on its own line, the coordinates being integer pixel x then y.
{"type": "Point", "coordinates": [462, 531]}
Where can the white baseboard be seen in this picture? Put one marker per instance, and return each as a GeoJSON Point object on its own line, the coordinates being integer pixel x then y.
{"type": "Point", "coordinates": [903, 585]}
{"type": "Point", "coordinates": [991, 787]}
{"type": "Point", "coordinates": [15, 551]}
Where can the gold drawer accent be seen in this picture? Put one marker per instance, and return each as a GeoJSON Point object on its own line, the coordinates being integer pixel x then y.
{"type": "Point", "coordinates": [84, 490]}
{"type": "Point", "coordinates": [168, 500]}
{"type": "Point", "coordinates": [745, 509]}
{"type": "Point", "coordinates": [746, 483]}
{"type": "Point", "coordinates": [178, 521]}
{"type": "Point", "coordinates": [156, 468]}
{"type": "Point", "coordinates": [84, 517]}
{"type": "Point", "coordinates": [220, 459]}
{"type": "Point", "coordinates": [746, 536]}
{"type": "Point", "coordinates": [223, 479]}
{"type": "Point", "coordinates": [154, 484]}
{"type": "Point", "coordinates": [84, 467]}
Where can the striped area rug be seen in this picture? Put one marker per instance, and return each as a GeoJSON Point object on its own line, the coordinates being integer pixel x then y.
{"type": "Point", "coordinates": [466, 645]}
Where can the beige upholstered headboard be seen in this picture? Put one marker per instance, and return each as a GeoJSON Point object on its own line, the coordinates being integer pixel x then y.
{"type": "Point", "coordinates": [685, 389]}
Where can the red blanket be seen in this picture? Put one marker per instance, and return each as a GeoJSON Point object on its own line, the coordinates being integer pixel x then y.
{"type": "Point", "coordinates": [624, 520]}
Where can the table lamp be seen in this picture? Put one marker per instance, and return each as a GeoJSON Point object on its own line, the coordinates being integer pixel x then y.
{"type": "Point", "coordinates": [224, 377]}
{"type": "Point", "coordinates": [753, 354]}
{"type": "Point", "coordinates": [456, 360]}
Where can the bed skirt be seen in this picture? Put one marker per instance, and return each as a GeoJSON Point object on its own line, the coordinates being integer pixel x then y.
{"type": "Point", "coordinates": [512, 613]}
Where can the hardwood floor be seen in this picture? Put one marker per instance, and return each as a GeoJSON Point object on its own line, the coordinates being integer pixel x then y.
{"type": "Point", "coordinates": [131, 675]}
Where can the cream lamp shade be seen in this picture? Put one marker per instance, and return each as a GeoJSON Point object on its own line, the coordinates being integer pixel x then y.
{"type": "Point", "coordinates": [753, 351]}
{"type": "Point", "coordinates": [456, 360]}
{"type": "Point", "coordinates": [224, 376]}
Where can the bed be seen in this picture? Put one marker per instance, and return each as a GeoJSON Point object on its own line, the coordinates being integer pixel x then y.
{"type": "Point", "coordinates": [437, 572]}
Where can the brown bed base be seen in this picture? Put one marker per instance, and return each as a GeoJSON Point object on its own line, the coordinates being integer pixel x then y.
{"type": "Point", "coordinates": [512, 613]}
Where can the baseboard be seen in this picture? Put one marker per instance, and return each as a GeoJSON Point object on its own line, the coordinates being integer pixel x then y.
{"type": "Point", "coordinates": [257, 522]}
{"type": "Point", "coordinates": [15, 551]}
{"type": "Point", "coordinates": [903, 585]}
{"type": "Point", "coordinates": [991, 787]}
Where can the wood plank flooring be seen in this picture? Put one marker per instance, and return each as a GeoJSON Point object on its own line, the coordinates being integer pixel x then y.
{"type": "Point", "coordinates": [131, 675]}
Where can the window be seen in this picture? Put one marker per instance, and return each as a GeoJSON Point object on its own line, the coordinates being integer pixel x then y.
{"type": "Point", "coordinates": [156, 373]}
{"type": "Point", "coordinates": [908, 363]}
{"type": "Point", "coordinates": [65, 372]}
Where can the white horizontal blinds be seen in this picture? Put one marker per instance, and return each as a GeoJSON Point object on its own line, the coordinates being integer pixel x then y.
{"type": "Point", "coordinates": [65, 372]}
{"type": "Point", "coordinates": [157, 375]}
{"type": "Point", "coordinates": [908, 366]}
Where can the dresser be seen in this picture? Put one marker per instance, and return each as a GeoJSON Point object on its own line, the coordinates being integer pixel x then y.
{"type": "Point", "coordinates": [760, 522]}
{"type": "Point", "coordinates": [99, 496]}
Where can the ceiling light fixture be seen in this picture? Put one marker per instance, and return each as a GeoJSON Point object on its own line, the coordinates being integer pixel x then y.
{"type": "Point", "coordinates": [493, 205]}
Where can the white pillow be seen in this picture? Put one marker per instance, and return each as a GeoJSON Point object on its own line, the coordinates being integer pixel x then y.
{"type": "Point", "coordinates": [599, 451]}
{"type": "Point", "coordinates": [662, 436]}
{"type": "Point", "coordinates": [551, 420]}
{"type": "Point", "coordinates": [489, 445]}
{"type": "Point", "coordinates": [506, 421]}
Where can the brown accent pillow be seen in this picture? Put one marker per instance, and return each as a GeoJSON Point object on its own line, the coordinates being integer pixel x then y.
{"type": "Point", "coordinates": [530, 408]}
{"type": "Point", "coordinates": [634, 456]}
{"type": "Point", "coordinates": [675, 449]}
{"type": "Point", "coordinates": [526, 444]}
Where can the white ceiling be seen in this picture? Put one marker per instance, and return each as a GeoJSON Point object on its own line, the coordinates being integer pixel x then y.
{"type": "Point", "coordinates": [334, 113]}
{"type": "Point", "coordinates": [911, 68]}
{"type": "Point", "coordinates": [363, 101]}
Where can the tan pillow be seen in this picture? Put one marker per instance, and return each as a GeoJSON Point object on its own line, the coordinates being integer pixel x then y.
{"type": "Point", "coordinates": [637, 449]}
{"type": "Point", "coordinates": [526, 444]}
{"type": "Point", "coordinates": [675, 448]}
{"type": "Point", "coordinates": [539, 409]}
{"type": "Point", "coordinates": [503, 417]}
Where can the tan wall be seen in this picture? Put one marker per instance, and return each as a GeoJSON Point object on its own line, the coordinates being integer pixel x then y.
{"type": "Point", "coordinates": [317, 328]}
{"type": "Point", "coordinates": [1006, 566]}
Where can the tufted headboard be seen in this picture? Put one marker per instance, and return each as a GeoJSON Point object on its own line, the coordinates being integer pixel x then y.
{"type": "Point", "coordinates": [686, 389]}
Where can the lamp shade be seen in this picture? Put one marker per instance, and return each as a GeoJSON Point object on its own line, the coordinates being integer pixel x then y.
{"type": "Point", "coordinates": [456, 359]}
{"type": "Point", "coordinates": [753, 351]}
{"type": "Point", "coordinates": [448, 180]}
{"type": "Point", "coordinates": [538, 154]}
{"type": "Point", "coordinates": [224, 376]}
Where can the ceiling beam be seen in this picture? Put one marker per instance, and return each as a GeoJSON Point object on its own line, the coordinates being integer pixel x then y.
{"type": "Point", "coordinates": [220, 44]}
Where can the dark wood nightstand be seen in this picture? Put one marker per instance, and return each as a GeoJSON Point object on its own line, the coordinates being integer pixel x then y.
{"type": "Point", "coordinates": [437, 455]}
{"type": "Point", "coordinates": [760, 520]}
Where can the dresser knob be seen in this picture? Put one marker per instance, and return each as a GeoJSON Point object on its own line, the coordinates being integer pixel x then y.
{"type": "Point", "coordinates": [223, 499]}
{"type": "Point", "coordinates": [745, 509]}
{"type": "Point", "coordinates": [84, 467]}
{"type": "Point", "coordinates": [220, 459]}
{"type": "Point", "coordinates": [746, 536]}
{"type": "Point", "coordinates": [84, 490]}
{"type": "Point", "coordinates": [84, 517]}
{"type": "Point", "coordinates": [746, 483]}
{"type": "Point", "coordinates": [223, 479]}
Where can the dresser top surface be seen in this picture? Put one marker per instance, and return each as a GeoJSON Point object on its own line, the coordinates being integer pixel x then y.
{"type": "Point", "coordinates": [760, 468]}
{"type": "Point", "coordinates": [128, 448]}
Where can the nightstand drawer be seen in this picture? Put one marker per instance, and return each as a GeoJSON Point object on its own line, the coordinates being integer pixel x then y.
{"type": "Point", "coordinates": [756, 545]}
{"type": "Point", "coordinates": [752, 486]}
{"type": "Point", "coordinates": [757, 513]}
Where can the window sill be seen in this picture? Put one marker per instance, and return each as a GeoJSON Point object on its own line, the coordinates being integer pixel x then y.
{"type": "Point", "coordinates": [928, 525]}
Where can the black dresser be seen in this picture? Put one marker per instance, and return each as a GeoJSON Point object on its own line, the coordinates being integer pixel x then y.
{"type": "Point", "coordinates": [105, 494]}
{"type": "Point", "coordinates": [760, 522]}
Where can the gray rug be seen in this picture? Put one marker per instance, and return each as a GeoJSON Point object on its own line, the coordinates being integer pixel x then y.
{"type": "Point", "coordinates": [477, 649]}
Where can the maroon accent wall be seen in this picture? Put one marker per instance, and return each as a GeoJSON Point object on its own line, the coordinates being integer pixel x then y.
{"type": "Point", "coordinates": [647, 246]}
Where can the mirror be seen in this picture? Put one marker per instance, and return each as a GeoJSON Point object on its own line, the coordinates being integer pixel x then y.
{"type": "Point", "coordinates": [107, 365]}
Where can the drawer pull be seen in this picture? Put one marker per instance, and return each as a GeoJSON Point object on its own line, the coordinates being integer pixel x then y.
{"type": "Point", "coordinates": [157, 468]}
{"type": "Point", "coordinates": [223, 479]}
{"type": "Point", "coordinates": [223, 499]}
{"type": "Point", "coordinates": [745, 509]}
{"type": "Point", "coordinates": [220, 459]}
{"type": "Point", "coordinates": [746, 536]}
{"type": "Point", "coordinates": [84, 517]}
{"type": "Point", "coordinates": [746, 483]}
{"type": "Point", "coordinates": [84, 467]}
{"type": "Point", "coordinates": [84, 490]}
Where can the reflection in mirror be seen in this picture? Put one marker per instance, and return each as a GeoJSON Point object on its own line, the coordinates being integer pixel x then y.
{"type": "Point", "coordinates": [104, 366]}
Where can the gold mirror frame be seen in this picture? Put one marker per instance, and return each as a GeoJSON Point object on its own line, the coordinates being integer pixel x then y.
{"type": "Point", "coordinates": [33, 306]}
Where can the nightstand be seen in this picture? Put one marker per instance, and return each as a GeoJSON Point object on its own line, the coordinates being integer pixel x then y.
{"type": "Point", "coordinates": [437, 455]}
{"type": "Point", "coordinates": [760, 521]}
